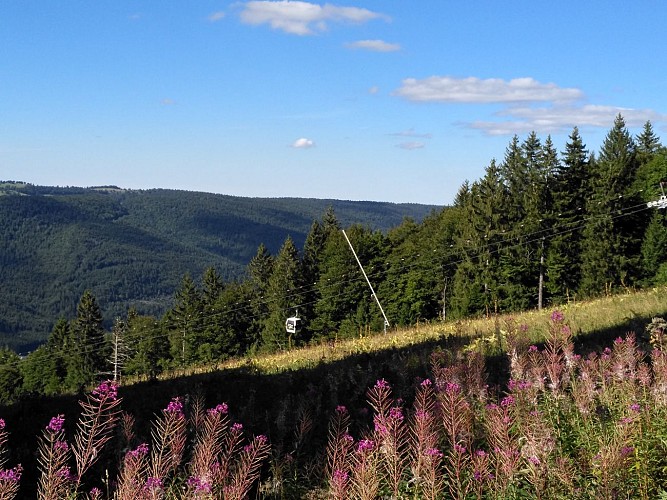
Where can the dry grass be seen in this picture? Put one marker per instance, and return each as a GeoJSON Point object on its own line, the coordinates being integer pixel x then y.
{"type": "Point", "coordinates": [583, 317]}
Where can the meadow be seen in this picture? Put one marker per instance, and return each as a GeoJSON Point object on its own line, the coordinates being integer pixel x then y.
{"type": "Point", "coordinates": [561, 403]}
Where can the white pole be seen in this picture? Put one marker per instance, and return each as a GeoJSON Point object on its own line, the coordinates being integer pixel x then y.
{"type": "Point", "coordinates": [386, 322]}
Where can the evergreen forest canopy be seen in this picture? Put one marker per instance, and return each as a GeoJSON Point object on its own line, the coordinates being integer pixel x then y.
{"type": "Point", "coordinates": [540, 227]}
{"type": "Point", "coordinates": [132, 248]}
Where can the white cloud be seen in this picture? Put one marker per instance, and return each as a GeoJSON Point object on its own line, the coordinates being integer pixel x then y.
{"type": "Point", "coordinates": [216, 16]}
{"type": "Point", "coordinates": [411, 133]}
{"type": "Point", "coordinates": [374, 45]}
{"type": "Point", "coordinates": [303, 143]}
{"type": "Point", "coordinates": [302, 18]}
{"type": "Point", "coordinates": [374, 90]}
{"type": "Point", "coordinates": [562, 118]}
{"type": "Point", "coordinates": [476, 90]}
{"type": "Point", "coordinates": [410, 145]}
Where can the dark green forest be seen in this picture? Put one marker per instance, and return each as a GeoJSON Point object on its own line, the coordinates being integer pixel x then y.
{"type": "Point", "coordinates": [132, 248]}
{"type": "Point", "coordinates": [541, 227]}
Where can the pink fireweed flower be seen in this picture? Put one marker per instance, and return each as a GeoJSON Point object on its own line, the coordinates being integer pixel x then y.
{"type": "Point", "coordinates": [534, 460]}
{"type": "Point", "coordinates": [341, 410]}
{"type": "Point", "coordinates": [382, 384]}
{"type": "Point", "coordinates": [507, 401]}
{"type": "Point", "coordinates": [433, 452]}
{"type": "Point", "coordinates": [108, 389]}
{"type": "Point", "coordinates": [13, 475]}
{"type": "Point", "coordinates": [452, 388]}
{"type": "Point", "coordinates": [153, 483]}
{"type": "Point", "coordinates": [635, 407]}
{"type": "Point", "coordinates": [365, 445]}
{"type": "Point", "coordinates": [56, 424]}
{"type": "Point", "coordinates": [221, 409]}
{"type": "Point", "coordinates": [339, 478]}
{"type": "Point", "coordinates": [533, 348]}
{"type": "Point", "coordinates": [175, 406]}
{"type": "Point", "coordinates": [459, 449]}
{"type": "Point", "coordinates": [139, 451]}
{"type": "Point", "coordinates": [61, 445]}
{"type": "Point", "coordinates": [426, 382]}
{"type": "Point", "coordinates": [396, 413]}
{"type": "Point", "coordinates": [2, 423]}
{"type": "Point", "coordinates": [480, 453]}
{"type": "Point", "coordinates": [557, 316]}
{"type": "Point", "coordinates": [66, 474]}
{"type": "Point", "coordinates": [237, 427]}
{"type": "Point", "coordinates": [96, 493]}
{"type": "Point", "coordinates": [380, 428]}
{"type": "Point", "coordinates": [199, 484]}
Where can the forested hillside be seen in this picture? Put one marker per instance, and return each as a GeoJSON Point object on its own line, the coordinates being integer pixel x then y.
{"type": "Point", "coordinates": [540, 228]}
{"type": "Point", "coordinates": [132, 248]}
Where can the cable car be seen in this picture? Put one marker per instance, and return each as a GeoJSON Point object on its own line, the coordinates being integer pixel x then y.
{"type": "Point", "coordinates": [293, 324]}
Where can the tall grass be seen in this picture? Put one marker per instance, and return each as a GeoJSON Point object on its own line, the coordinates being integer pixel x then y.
{"type": "Point", "coordinates": [565, 426]}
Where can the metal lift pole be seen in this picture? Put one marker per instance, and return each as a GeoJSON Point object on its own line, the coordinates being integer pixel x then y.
{"type": "Point", "coordinates": [386, 322]}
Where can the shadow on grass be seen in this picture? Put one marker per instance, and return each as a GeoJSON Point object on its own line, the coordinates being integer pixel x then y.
{"type": "Point", "coordinates": [273, 404]}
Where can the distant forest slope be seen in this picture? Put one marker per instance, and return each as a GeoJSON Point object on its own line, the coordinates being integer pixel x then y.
{"type": "Point", "coordinates": [133, 247]}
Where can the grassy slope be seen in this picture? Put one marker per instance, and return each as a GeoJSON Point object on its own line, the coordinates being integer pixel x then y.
{"type": "Point", "coordinates": [271, 394]}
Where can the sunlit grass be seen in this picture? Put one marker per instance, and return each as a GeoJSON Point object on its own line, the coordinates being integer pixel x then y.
{"type": "Point", "coordinates": [584, 317]}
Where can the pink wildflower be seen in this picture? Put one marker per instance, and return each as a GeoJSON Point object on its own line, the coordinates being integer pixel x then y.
{"type": "Point", "coordinates": [56, 424]}
{"type": "Point", "coordinates": [13, 475]}
{"type": "Point", "coordinates": [108, 389]}
{"type": "Point", "coordinates": [219, 409]}
{"type": "Point", "coordinates": [382, 384]}
{"type": "Point", "coordinates": [365, 445]}
{"type": "Point", "coordinates": [175, 406]}
{"type": "Point", "coordinates": [341, 410]}
{"type": "Point", "coordinates": [433, 452]}
{"type": "Point", "coordinates": [557, 316]}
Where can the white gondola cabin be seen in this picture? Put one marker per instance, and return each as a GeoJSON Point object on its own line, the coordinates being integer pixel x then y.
{"type": "Point", "coordinates": [293, 324]}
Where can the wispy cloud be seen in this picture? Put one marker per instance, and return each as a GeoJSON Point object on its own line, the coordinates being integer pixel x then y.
{"type": "Point", "coordinates": [303, 143]}
{"type": "Point", "coordinates": [411, 133]}
{"type": "Point", "coordinates": [216, 16]}
{"type": "Point", "coordinates": [530, 105]}
{"type": "Point", "coordinates": [167, 102]}
{"type": "Point", "coordinates": [374, 45]}
{"type": "Point", "coordinates": [410, 145]}
{"type": "Point", "coordinates": [303, 18]}
{"type": "Point", "coordinates": [561, 118]}
{"type": "Point", "coordinates": [476, 90]}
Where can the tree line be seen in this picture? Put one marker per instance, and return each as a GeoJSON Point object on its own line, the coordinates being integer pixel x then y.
{"type": "Point", "coordinates": [539, 228]}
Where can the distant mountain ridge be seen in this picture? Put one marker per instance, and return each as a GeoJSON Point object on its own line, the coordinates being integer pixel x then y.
{"type": "Point", "coordinates": [132, 247]}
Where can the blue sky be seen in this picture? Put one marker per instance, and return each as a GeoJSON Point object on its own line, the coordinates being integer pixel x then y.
{"type": "Point", "coordinates": [375, 100]}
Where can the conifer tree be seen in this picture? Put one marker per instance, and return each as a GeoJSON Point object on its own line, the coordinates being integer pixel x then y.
{"type": "Point", "coordinates": [570, 192]}
{"type": "Point", "coordinates": [283, 297]}
{"type": "Point", "coordinates": [648, 144]}
{"type": "Point", "coordinates": [259, 271]}
{"type": "Point", "coordinates": [88, 355]}
{"type": "Point", "coordinates": [184, 322]}
{"type": "Point", "coordinates": [149, 347]}
{"type": "Point", "coordinates": [611, 237]}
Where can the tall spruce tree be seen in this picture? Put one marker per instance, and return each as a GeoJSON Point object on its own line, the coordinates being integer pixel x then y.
{"type": "Point", "coordinates": [88, 356]}
{"type": "Point", "coordinates": [259, 271]}
{"type": "Point", "coordinates": [570, 192]}
{"type": "Point", "coordinates": [284, 296]}
{"type": "Point", "coordinates": [184, 321]}
{"type": "Point", "coordinates": [612, 236]}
